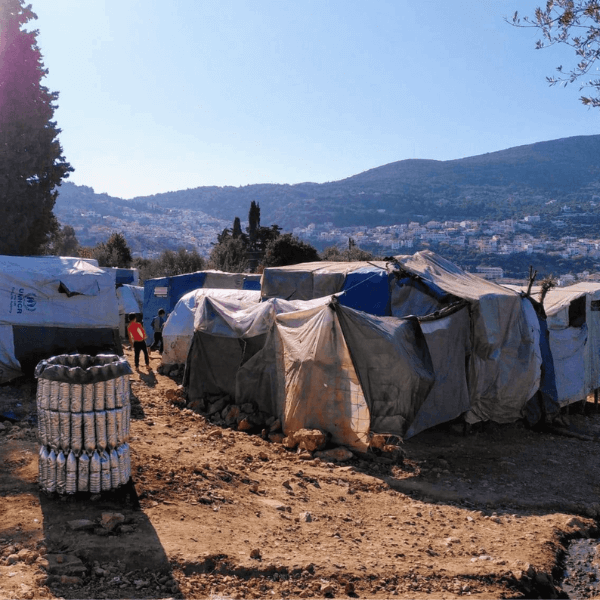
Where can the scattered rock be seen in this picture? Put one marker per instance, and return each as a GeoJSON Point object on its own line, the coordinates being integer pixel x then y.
{"type": "Point", "coordinates": [289, 442]}
{"type": "Point", "coordinates": [306, 517]}
{"type": "Point", "coordinates": [311, 439]}
{"type": "Point", "coordinates": [110, 520]}
{"type": "Point", "coordinates": [378, 441]}
{"type": "Point", "coordinates": [27, 556]}
{"type": "Point", "coordinates": [81, 525]}
{"type": "Point", "coordinates": [11, 559]}
{"type": "Point", "coordinates": [339, 454]}
{"type": "Point", "coordinates": [327, 589]}
{"type": "Point", "coordinates": [217, 407]}
{"type": "Point", "coordinates": [276, 438]}
{"type": "Point", "coordinates": [244, 425]}
{"type": "Point", "coordinates": [256, 554]}
{"type": "Point", "coordinates": [71, 580]}
{"type": "Point", "coordinates": [65, 564]}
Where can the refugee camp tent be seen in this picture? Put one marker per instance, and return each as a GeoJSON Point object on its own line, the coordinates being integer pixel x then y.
{"type": "Point", "coordinates": [178, 331]}
{"type": "Point", "coordinates": [505, 361]}
{"type": "Point", "coordinates": [52, 305]}
{"type": "Point", "coordinates": [573, 316]}
{"type": "Point", "coordinates": [365, 285]}
{"type": "Point", "coordinates": [131, 300]}
{"type": "Point", "coordinates": [314, 364]}
{"type": "Point", "coordinates": [165, 292]}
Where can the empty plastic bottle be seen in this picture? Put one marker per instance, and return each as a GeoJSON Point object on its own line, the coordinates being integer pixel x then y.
{"type": "Point", "coordinates": [95, 468]}
{"type": "Point", "coordinates": [83, 473]}
{"type": "Point", "coordinates": [100, 417]}
{"type": "Point", "coordinates": [76, 398]}
{"type": "Point", "coordinates": [43, 468]}
{"type": "Point", "coordinates": [111, 428]}
{"type": "Point", "coordinates": [51, 476]}
{"type": "Point", "coordinates": [88, 397]}
{"type": "Point", "coordinates": [115, 473]}
{"type": "Point", "coordinates": [61, 473]}
{"type": "Point", "coordinates": [110, 393]}
{"type": "Point", "coordinates": [105, 472]}
{"type": "Point", "coordinates": [99, 395]}
{"type": "Point", "coordinates": [71, 473]}
{"type": "Point", "coordinates": [65, 430]}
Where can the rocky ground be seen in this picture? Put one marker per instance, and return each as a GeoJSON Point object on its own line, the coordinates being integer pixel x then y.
{"type": "Point", "coordinates": [216, 512]}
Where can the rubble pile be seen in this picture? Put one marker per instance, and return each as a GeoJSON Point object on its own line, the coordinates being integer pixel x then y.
{"type": "Point", "coordinates": [222, 411]}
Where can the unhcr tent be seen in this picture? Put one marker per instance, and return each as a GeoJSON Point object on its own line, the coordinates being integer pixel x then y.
{"type": "Point", "coordinates": [52, 305]}
{"type": "Point", "coordinates": [364, 286]}
{"type": "Point", "coordinates": [313, 364]}
{"type": "Point", "coordinates": [131, 300]}
{"type": "Point", "coordinates": [178, 331]}
{"type": "Point", "coordinates": [505, 362]}
{"type": "Point", "coordinates": [165, 292]}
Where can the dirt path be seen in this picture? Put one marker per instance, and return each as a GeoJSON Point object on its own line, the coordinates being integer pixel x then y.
{"type": "Point", "coordinates": [218, 512]}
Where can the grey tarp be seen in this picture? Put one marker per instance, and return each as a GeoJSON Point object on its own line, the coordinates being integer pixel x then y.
{"type": "Point", "coordinates": [324, 366]}
{"type": "Point", "coordinates": [448, 340]}
{"type": "Point", "coordinates": [505, 363]}
{"type": "Point", "coordinates": [309, 280]}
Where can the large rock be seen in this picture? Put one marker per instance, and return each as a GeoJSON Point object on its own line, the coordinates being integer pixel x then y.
{"type": "Point", "coordinates": [310, 439]}
{"type": "Point", "coordinates": [218, 406]}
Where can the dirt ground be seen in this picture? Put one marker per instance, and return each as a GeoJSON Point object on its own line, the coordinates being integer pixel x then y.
{"type": "Point", "coordinates": [213, 512]}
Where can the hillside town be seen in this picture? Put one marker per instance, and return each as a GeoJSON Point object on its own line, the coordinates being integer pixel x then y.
{"type": "Point", "coordinates": [500, 238]}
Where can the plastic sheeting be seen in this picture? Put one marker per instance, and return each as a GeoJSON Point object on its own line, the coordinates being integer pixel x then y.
{"type": "Point", "coordinates": [43, 298]}
{"type": "Point", "coordinates": [363, 286]}
{"type": "Point", "coordinates": [178, 330]}
{"type": "Point", "coordinates": [449, 344]}
{"type": "Point", "coordinates": [505, 363]}
{"type": "Point", "coordinates": [313, 364]}
{"type": "Point", "coordinates": [165, 292]}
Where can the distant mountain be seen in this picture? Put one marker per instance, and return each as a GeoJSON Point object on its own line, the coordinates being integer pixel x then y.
{"type": "Point", "coordinates": [540, 177]}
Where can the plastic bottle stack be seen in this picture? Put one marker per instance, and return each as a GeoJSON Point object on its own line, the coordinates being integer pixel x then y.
{"type": "Point", "coordinates": [84, 413]}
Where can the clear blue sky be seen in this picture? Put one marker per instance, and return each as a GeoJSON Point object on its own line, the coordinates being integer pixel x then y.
{"type": "Point", "coordinates": [160, 96]}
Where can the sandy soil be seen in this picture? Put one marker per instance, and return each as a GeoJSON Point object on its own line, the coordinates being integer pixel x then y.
{"type": "Point", "coordinates": [214, 512]}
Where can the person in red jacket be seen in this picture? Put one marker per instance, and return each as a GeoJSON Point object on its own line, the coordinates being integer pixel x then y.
{"type": "Point", "coordinates": [137, 337]}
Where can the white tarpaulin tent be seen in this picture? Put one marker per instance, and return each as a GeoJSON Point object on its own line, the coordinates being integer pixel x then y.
{"type": "Point", "coordinates": [314, 364]}
{"type": "Point", "coordinates": [505, 361]}
{"type": "Point", "coordinates": [50, 305]}
{"type": "Point", "coordinates": [131, 300]}
{"type": "Point", "coordinates": [179, 328]}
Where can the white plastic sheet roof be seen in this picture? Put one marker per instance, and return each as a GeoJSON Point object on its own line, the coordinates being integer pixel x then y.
{"type": "Point", "coordinates": [179, 327]}
{"type": "Point", "coordinates": [56, 292]}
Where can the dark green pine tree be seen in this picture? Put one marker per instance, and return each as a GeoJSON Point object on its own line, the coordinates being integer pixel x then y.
{"type": "Point", "coordinates": [31, 162]}
{"type": "Point", "coordinates": [253, 223]}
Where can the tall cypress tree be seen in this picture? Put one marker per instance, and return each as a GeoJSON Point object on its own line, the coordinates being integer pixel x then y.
{"type": "Point", "coordinates": [31, 162]}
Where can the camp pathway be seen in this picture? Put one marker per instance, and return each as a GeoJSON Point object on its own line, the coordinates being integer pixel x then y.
{"type": "Point", "coordinates": [219, 512]}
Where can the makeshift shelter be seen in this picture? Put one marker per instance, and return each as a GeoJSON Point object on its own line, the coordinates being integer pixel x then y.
{"type": "Point", "coordinates": [363, 286]}
{"type": "Point", "coordinates": [165, 292]}
{"type": "Point", "coordinates": [573, 317]}
{"type": "Point", "coordinates": [314, 364]}
{"type": "Point", "coordinates": [504, 366]}
{"type": "Point", "coordinates": [178, 331]}
{"type": "Point", "coordinates": [131, 300]}
{"type": "Point", "coordinates": [52, 305]}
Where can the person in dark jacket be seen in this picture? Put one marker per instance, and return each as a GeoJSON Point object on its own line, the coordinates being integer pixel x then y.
{"type": "Point", "coordinates": [158, 322]}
